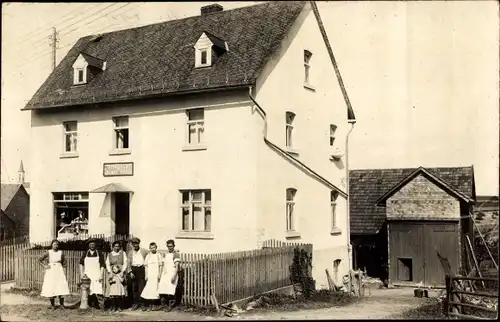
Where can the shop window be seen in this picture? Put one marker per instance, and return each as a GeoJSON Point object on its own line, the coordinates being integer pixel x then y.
{"type": "Point", "coordinates": [71, 213]}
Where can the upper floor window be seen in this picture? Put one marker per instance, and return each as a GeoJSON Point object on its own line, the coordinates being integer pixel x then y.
{"type": "Point", "coordinates": [196, 210]}
{"type": "Point", "coordinates": [333, 204]}
{"type": "Point", "coordinates": [121, 129]}
{"type": "Point", "coordinates": [70, 136]}
{"type": "Point", "coordinates": [307, 66]}
{"type": "Point", "coordinates": [290, 204]}
{"type": "Point", "coordinates": [289, 129]}
{"type": "Point", "coordinates": [195, 126]}
{"type": "Point", "coordinates": [333, 129]}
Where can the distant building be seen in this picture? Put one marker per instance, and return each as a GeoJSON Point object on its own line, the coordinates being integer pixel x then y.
{"type": "Point", "coordinates": [488, 205]}
{"type": "Point", "coordinates": [14, 211]}
{"type": "Point", "coordinates": [401, 219]}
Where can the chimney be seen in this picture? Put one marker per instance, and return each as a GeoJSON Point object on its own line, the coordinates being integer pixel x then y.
{"type": "Point", "coordinates": [205, 10]}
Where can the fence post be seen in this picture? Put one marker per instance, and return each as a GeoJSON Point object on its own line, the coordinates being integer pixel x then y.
{"type": "Point", "coordinates": [446, 306]}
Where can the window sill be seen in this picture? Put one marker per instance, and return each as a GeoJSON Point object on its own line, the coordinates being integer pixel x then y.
{"type": "Point", "coordinates": [79, 84]}
{"type": "Point", "coordinates": [292, 151]}
{"type": "Point", "coordinates": [194, 148]}
{"type": "Point", "coordinates": [310, 87]}
{"type": "Point", "coordinates": [68, 155]}
{"type": "Point", "coordinates": [195, 235]}
{"type": "Point", "coordinates": [292, 234]}
{"type": "Point", "coordinates": [120, 152]}
{"type": "Point", "coordinates": [335, 231]}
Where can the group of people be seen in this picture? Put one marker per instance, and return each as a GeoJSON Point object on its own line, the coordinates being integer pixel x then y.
{"type": "Point", "coordinates": [148, 278]}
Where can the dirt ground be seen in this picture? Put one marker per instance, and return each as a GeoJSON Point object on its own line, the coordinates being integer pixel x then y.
{"type": "Point", "coordinates": [382, 304]}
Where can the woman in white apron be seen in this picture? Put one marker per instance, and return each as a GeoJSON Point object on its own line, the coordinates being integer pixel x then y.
{"type": "Point", "coordinates": [92, 265]}
{"type": "Point", "coordinates": [54, 281]}
{"type": "Point", "coordinates": [154, 264]}
{"type": "Point", "coordinates": [169, 277]}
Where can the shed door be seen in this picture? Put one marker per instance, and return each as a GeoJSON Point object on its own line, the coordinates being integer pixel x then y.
{"type": "Point", "coordinates": [406, 252]}
{"type": "Point", "coordinates": [440, 237]}
{"type": "Point", "coordinates": [413, 251]}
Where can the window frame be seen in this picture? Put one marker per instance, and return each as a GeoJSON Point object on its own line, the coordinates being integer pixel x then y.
{"type": "Point", "coordinates": [289, 127]}
{"type": "Point", "coordinates": [190, 204]}
{"type": "Point", "coordinates": [199, 126]}
{"type": "Point", "coordinates": [117, 129]}
{"type": "Point", "coordinates": [76, 77]}
{"type": "Point", "coordinates": [73, 134]}
{"type": "Point", "coordinates": [291, 220]}
{"type": "Point", "coordinates": [333, 130]}
{"type": "Point", "coordinates": [307, 67]}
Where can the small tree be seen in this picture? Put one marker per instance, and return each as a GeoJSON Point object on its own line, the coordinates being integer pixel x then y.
{"type": "Point", "coordinates": [480, 216]}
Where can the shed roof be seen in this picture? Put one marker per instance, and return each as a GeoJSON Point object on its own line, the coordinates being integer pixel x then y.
{"type": "Point", "coordinates": [366, 187]}
{"type": "Point", "coordinates": [158, 59]}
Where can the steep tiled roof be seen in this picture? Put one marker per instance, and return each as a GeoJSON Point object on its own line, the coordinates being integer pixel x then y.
{"type": "Point", "coordinates": [7, 193]}
{"type": "Point", "coordinates": [367, 186]}
{"type": "Point", "coordinates": [158, 59]}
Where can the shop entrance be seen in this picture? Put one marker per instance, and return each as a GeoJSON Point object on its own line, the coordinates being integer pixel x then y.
{"type": "Point", "coordinates": [122, 212]}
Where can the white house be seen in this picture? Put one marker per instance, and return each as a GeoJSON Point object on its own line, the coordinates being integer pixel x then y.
{"type": "Point", "coordinates": [221, 131]}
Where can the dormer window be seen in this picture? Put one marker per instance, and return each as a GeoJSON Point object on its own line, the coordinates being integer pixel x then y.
{"type": "Point", "coordinates": [207, 49]}
{"type": "Point", "coordinates": [86, 67]}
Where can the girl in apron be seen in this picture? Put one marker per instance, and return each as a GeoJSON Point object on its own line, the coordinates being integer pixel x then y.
{"type": "Point", "coordinates": [116, 257]}
{"type": "Point", "coordinates": [54, 281]}
{"type": "Point", "coordinates": [154, 264]}
{"type": "Point", "coordinates": [168, 281]}
{"type": "Point", "coordinates": [92, 265]}
{"type": "Point", "coordinates": [116, 288]}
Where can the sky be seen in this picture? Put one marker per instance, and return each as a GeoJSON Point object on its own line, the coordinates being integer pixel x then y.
{"type": "Point", "coordinates": [422, 76]}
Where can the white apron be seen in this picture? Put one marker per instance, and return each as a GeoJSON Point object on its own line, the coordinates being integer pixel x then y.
{"type": "Point", "coordinates": [150, 291]}
{"type": "Point", "coordinates": [166, 286]}
{"type": "Point", "coordinates": [93, 271]}
{"type": "Point", "coordinates": [54, 281]}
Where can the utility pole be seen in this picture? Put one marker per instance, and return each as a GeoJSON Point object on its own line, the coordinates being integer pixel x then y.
{"type": "Point", "coordinates": [53, 44]}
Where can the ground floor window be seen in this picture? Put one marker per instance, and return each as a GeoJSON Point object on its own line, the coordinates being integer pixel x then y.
{"type": "Point", "coordinates": [196, 210]}
{"type": "Point", "coordinates": [71, 211]}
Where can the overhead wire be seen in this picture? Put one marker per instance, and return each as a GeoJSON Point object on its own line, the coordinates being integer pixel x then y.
{"type": "Point", "coordinates": [88, 16]}
{"type": "Point", "coordinates": [44, 28]}
{"type": "Point", "coordinates": [34, 57]}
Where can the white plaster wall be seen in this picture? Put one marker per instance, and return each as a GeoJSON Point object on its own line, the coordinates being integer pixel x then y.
{"type": "Point", "coordinates": [157, 136]}
{"type": "Point", "coordinates": [281, 89]}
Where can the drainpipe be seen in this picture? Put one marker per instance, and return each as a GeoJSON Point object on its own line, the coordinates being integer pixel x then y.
{"type": "Point", "coordinates": [348, 233]}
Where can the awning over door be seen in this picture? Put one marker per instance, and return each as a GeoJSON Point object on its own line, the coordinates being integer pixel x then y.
{"type": "Point", "coordinates": [112, 187]}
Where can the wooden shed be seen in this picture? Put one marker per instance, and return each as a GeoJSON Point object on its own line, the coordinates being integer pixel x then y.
{"type": "Point", "coordinates": [423, 212]}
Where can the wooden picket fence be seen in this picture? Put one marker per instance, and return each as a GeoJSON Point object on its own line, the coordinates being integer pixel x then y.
{"type": "Point", "coordinates": [226, 277]}
{"type": "Point", "coordinates": [9, 250]}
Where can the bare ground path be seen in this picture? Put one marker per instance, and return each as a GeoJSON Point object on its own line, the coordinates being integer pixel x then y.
{"type": "Point", "coordinates": [382, 304]}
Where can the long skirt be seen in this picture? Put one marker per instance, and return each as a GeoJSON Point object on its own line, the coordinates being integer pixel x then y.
{"type": "Point", "coordinates": [54, 282]}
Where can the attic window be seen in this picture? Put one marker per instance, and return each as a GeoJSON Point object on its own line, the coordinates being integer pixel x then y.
{"type": "Point", "coordinates": [204, 53]}
{"type": "Point", "coordinates": [208, 48]}
{"type": "Point", "coordinates": [80, 76]}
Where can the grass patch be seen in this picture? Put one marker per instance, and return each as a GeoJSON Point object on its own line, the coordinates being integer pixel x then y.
{"type": "Point", "coordinates": [433, 310]}
{"type": "Point", "coordinates": [319, 299]}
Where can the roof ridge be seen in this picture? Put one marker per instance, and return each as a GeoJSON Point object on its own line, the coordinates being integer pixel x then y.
{"type": "Point", "coordinates": [185, 18]}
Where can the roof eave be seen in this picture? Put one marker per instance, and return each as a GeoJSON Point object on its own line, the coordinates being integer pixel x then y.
{"type": "Point", "coordinates": [185, 92]}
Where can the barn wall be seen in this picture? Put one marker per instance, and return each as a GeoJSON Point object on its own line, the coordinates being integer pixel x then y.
{"type": "Point", "coordinates": [422, 199]}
